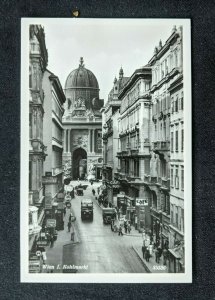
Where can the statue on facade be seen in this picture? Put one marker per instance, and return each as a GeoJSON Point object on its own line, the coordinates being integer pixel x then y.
{"type": "Point", "coordinates": [153, 165]}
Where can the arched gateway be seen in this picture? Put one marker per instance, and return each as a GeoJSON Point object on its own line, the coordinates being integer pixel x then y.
{"type": "Point", "coordinates": [79, 163]}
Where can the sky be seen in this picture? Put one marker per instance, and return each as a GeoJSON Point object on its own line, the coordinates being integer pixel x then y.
{"type": "Point", "coordinates": [105, 45]}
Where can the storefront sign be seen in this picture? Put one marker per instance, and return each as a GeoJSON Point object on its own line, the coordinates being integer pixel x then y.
{"type": "Point", "coordinates": [140, 202]}
{"type": "Point", "coordinates": [49, 180]}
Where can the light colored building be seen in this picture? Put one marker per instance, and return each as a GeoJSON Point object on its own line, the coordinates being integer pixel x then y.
{"type": "Point", "coordinates": [134, 151]}
{"type": "Point", "coordinates": [111, 139]}
{"type": "Point", "coordinates": [38, 59]}
{"type": "Point", "coordinates": [82, 122]}
{"type": "Point", "coordinates": [53, 134]}
{"type": "Point", "coordinates": [176, 242]}
{"type": "Point", "coordinates": [166, 65]}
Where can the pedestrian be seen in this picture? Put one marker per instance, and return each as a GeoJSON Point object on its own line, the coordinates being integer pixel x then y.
{"type": "Point", "coordinates": [159, 252]}
{"type": "Point", "coordinates": [126, 226]}
{"type": "Point", "coordinates": [143, 250]}
{"type": "Point", "coordinates": [120, 230]}
{"type": "Point", "coordinates": [150, 248]}
{"type": "Point", "coordinates": [51, 241]}
{"type": "Point", "coordinates": [44, 257]}
{"type": "Point", "coordinates": [69, 226]}
{"type": "Point", "coordinates": [72, 236]}
{"type": "Point", "coordinates": [129, 228]}
{"type": "Point", "coordinates": [135, 222]}
{"type": "Point", "coordinates": [93, 191]}
{"type": "Point", "coordinates": [98, 190]}
{"type": "Point", "coordinates": [157, 256]}
{"type": "Point", "coordinates": [165, 256]}
{"type": "Point", "coordinates": [147, 254]}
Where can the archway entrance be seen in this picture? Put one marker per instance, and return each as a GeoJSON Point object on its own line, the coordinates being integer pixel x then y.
{"type": "Point", "coordinates": [79, 163]}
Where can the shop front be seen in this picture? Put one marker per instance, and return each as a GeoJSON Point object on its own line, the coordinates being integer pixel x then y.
{"type": "Point", "coordinates": [176, 251]}
{"type": "Point", "coordinates": [143, 214]}
{"type": "Point", "coordinates": [156, 226]}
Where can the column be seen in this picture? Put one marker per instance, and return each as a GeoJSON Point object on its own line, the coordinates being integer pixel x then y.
{"type": "Point", "coordinates": [69, 131]}
{"type": "Point", "coordinates": [93, 140]}
{"type": "Point", "coordinates": [64, 141]}
{"type": "Point", "coordinates": [89, 139]}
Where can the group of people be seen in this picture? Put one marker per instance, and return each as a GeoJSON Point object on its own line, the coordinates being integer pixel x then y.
{"type": "Point", "coordinates": [148, 251]}
{"type": "Point", "coordinates": [126, 225]}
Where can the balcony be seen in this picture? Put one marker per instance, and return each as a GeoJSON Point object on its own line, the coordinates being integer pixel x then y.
{"type": "Point", "coordinates": [165, 183]}
{"type": "Point", "coordinates": [37, 145]}
{"type": "Point", "coordinates": [160, 146]}
{"type": "Point", "coordinates": [56, 171]}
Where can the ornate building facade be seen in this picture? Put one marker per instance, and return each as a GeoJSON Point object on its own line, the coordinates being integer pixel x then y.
{"type": "Point", "coordinates": [82, 122]}
{"type": "Point", "coordinates": [38, 59]}
{"type": "Point", "coordinates": [110, 118]}
{"type": "Point", "coordinates": [134, 152]}
{"type": "Point", "coordinates": [151, 144]}
{"type": "Point", "coordinates": [166, 92]}
{"type": "Point", "coordinates": [53, 135]}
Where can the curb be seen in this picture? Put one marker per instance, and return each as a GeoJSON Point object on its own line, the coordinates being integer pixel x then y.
{"type": "Point", "coordinates": [144, 264]}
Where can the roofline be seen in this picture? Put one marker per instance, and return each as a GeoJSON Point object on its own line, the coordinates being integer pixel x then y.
{"type": "Point", "coordinates": [138, 73]}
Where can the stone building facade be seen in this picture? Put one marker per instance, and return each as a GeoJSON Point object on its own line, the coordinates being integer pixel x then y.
{"type": "Point", "coordinates": [134, 152]}
{"type": "Point", "coordinates": [54, 99]}
{"type": "Point", "coordinates": [167, 143]}
{"type": "Point", "coordinates": [111, 138]}
{"type": "Point", "coordinates": [82, 122]}
{"type": "Point", "coordinates": [38, 59]}
{"type": "Point", "coordinates": [150, 156]}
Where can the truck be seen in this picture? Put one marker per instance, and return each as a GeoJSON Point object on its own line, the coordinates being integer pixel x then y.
{"type": "Point", "coordinates": [108, 215]}
{"type": "Point", "coordinates": [87, 209]}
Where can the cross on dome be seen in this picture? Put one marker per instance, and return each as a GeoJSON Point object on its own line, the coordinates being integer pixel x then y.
{"type": "Point", "coordinates": [81, 62]}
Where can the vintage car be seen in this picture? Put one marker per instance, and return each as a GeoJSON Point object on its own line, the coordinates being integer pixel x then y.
{"type": "Point", "coordinates": [108, 215]}
{"type": "Point", "coordinates": [87, 209]}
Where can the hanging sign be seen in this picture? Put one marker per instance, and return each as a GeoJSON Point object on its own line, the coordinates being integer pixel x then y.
{"type": "Point", "coordinates": [140, 202]}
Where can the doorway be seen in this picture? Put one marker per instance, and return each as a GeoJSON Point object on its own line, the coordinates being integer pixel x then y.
{"type": "Point", "coordinates": [79, 164]}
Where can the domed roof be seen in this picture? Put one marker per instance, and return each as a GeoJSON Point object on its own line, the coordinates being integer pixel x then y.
{"type": "Point", "coordinates": [81, 78]}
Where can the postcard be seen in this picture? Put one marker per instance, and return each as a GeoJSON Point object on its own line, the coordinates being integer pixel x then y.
{"type": "Point", "coordinates": [106, 175]}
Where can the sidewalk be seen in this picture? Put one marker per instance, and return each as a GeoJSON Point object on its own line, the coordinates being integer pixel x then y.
{"type": "Point", "coordinates": [54, 254]}
{"type": "Point", "coordinates": [152, 266]}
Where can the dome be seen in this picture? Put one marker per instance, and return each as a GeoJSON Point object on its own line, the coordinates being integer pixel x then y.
{"type": "Point", "coordinates": [81, 78]}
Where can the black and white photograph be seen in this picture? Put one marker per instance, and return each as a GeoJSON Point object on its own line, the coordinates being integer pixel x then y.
{"type": "Point", "coordinates": [106, 181]}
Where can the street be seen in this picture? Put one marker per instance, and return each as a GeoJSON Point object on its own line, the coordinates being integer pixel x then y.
{"type": "Point", "coordinates": [96, 249]}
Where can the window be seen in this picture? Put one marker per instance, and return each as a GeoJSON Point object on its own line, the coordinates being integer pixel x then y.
{"type": "Point", "coordinates": [176, 141]}
{"type": "Point", "coordinates": [164, 130]}
{"type": "Point", "coordinates": [172, 104]}
{"type": "Point", "coordinates": [171, 217]}
{"type": "Point", "coordinates": [176, 178]}
{"type": "Point", "coordinates": [176, 216]}
{"type": "Point", "coordinates": [182, 220]}
{"type": "Point", "coordinates": [182, 140]}
{"type": "Point", "coordinates": [182, 179]}
{"type": "Point", "coordinates": [30, 125]}
{"type": "Point", "coordinates": [172, 142]}
{"type": "Point", "coordinates": [30, 175]}
{"type": "Point", "coordinates": [171, 178]}
{"type": "Point", "coordinates": [176, 58]}
{"type": "Point", "coordinates": [176, 104]}
{"type": "Point", "coordinates": [182, 100]}
{"type": "Point", "coordinates": [30, 77]}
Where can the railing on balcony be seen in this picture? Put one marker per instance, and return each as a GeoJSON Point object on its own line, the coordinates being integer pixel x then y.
{"type": "Point", "coordinates": [161, 145]}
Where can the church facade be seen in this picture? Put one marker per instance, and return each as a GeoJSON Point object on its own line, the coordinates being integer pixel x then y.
{"type": "Point", "coordinates": [82, 123]}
